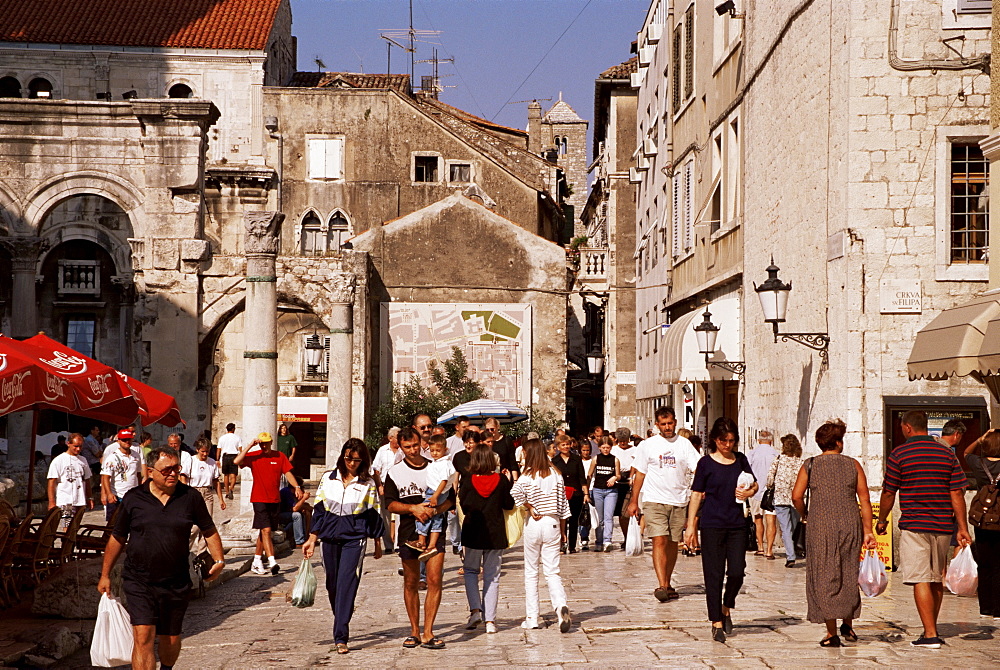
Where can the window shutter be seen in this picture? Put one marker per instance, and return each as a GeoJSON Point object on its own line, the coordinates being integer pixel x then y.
{"type": "Point", "coordinates": [676, 220]}
{"type": "Point", "coordinates": [975, 6]}
{"type": "Point", "coordinates": [689, 52]}
{"type": "Point", "coordinates": [316, 155]}
{"type": "Point", "coordinates": [688, 205]}
{"type": "Point", "coordinates": [334, 158]}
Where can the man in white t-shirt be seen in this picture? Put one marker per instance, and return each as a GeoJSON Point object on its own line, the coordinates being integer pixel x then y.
{"type": "Point", "coordinates": [664, 467]}
{"type": "Point", "coordinates": [121, 471]}
{"type": "Point", "coordinates": [625, 452]}
{"type": "Point", "coordinates": [69, 479]}
{"type": "Point", "coordinates": [229, 446]}
{"type": "Point", "coordinates": [387, 456]}
{"type": "Point", "coordinates": [455, 442]}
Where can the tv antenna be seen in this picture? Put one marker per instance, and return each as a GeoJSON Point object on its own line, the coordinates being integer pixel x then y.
{"type": "Point", "coordinates": [521, 102]}
{"type": "Point", "coordinates": [432, 84]}
{"type": "Point", "coordinates": [410, 37]}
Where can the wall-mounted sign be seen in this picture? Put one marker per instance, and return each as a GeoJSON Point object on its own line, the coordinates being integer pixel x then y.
{"type": "Point", "coordinates": [900, 296]}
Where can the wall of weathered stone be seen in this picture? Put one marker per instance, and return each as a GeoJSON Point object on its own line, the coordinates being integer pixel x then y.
{"type": "Point", "coordinates": [844, 166]}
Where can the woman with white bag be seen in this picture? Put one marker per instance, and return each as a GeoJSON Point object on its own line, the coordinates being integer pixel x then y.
{"type": "Point", "coordinates": [541, 491]}
{"type": "Point", "coordinates": [839, 524]}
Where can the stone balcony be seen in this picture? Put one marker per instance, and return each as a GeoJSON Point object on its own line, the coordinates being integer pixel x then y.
{"type": "Point", "coordinates": [593, 265]}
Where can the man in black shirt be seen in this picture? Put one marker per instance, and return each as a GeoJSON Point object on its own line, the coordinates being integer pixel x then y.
{"type": "Point", "coordinates": [155, 520]}
{"type": "Point", "coordinates": [504, 448]}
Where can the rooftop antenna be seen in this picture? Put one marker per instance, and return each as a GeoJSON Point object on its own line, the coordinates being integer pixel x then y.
{"type": "Point", "coordinates": [320, 65]}
{"type": "Point", "coordinates": [412, 36]}
{"type": "Point", "coordinates": [432, 84]}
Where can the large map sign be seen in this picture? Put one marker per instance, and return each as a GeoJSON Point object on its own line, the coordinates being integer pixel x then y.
{"type": "Point", "coordinates": [495, 338]}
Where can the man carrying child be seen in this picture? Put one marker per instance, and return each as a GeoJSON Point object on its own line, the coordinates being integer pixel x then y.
{"type": "Point", "coordinates": [440, 480]}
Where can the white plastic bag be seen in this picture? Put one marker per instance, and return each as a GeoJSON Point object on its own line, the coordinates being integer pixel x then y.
{"type": "Point", "coordinates": [963, 574]}
{"type": "Point", "coordinates": [112, 644]}
{"type": "Point", "coordinates": [594, 520]}
{"type": "Point", "coordinates": [633, 543]}
{"type": "Point", "coordinates": [304, 589]}
{"type": "Point", "coordinates": [744, 481]}
{"type": "Point", "coordinates": [871, 576]}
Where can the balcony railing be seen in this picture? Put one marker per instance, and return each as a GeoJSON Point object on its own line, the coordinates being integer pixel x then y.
{"type": "Point", "coordinates": [79, 277]}
{"type": "Point", "coordinates": [593, 264]}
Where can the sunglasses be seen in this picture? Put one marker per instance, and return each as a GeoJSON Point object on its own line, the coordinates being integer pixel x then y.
{"type": "Point", "coordinates": [172, 470]}
{"type": "Point", "coordinates": [353, 460]}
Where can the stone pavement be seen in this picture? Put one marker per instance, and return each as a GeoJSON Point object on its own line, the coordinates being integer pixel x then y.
{"type": "Point", "coordinates": [617, 623]}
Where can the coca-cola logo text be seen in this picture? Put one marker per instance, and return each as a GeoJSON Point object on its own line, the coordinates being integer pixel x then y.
{"type": "Point", "coordinates": [99, 386]}
{"type": "Point", "coordinates": [54, 387]}
{"type": "Point", "coordinates": [11, 389]}
{"type": "Point", "coordinates": [70, 365]}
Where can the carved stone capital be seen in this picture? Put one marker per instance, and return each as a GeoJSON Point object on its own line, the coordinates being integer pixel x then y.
{"type": "Point", "coordinates": [24, 252]}
{"type": "Point", "coordinates": [341, 288]}
{"type": "Point", "coordinates": [263, 231]}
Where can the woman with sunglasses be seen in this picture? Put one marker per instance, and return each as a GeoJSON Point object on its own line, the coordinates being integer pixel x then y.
{"type": "Point", "coordinates": [345, 515]}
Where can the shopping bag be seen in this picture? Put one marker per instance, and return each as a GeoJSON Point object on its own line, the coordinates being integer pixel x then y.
{"type": "Point", "coordinates": [963, 574]}
{"type": "Point", "coordinates": [112, 643]}
{"type": "Point", "coordinates": [871, 576]}
{"type": "Point", "coordinates": [304, 589]}
{"type": "Point", "coordinates": [514, 521]}
{"type": "Point", "coordinates": [633, 543]}
{"type": "Point", "coordinates": [594, 521]}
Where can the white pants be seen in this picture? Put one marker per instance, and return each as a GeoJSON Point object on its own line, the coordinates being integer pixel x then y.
{"type": "Point", "coordinates": [541, 544]}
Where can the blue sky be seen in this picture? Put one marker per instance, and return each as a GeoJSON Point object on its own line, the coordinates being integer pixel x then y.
{"type": "Point", "coordinates": [495, 44]}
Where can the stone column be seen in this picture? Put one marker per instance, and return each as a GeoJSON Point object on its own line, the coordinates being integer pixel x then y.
{"type": "Point", "coordinates": [260, 332]}
{"type": "Point", "coordinates": [339, 387]}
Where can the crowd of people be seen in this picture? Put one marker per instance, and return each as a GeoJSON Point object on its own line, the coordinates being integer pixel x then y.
{"type": "Point", "coordinates": [481, 492]}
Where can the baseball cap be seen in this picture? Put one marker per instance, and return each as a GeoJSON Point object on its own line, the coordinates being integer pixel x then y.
{"type": "Point", "coordinates": [265, 437]}
{"type": "Point", "coordinates": [126, 434]}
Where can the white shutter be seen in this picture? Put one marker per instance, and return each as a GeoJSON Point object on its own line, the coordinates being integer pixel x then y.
{"type": "Point", "coordinates": [334, 159]}
{"type": "Point", "coordinates": [974, 6]}
{"type": "Point", "coordinates": [316, 157]}
{"type": "Point", "coordinates": [676, 220]}
{"type": "Point", "coordinates": [688, 205]}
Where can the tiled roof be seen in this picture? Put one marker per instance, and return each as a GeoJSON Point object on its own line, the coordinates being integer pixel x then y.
{"type": "Point", "coordinates": [399, 82]}
{"type": "Point", "coordinates": [199, 24]}
{"type": "Point", "coordinates": [472, 118]}
{"type": "Point", "coordinates": [622, 70]}
{"type": "Point", "coordinates": [561, 113]}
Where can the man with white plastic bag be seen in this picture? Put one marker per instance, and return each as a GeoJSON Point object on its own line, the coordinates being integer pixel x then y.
{"type": "Point", "coordinates": [113, 641]}
{"type": "Point", "coordinates": [155, 523]}
{"type": "Point", "coordinates": [963, 574]}
{"type": "Point", "coordinates": [931, 486]}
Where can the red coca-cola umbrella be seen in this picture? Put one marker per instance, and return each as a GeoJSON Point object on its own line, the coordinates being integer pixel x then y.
{"type": "Point", "coordinates": [25, 385]}
{"type": "Point", "coordinates": [154, 406]}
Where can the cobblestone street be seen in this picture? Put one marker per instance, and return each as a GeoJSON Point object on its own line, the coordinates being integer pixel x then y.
{"type": "Point", "coordinates": [246, 623]}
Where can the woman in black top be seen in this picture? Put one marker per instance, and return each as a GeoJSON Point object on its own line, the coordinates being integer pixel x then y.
{"type": "Point", "coordinates": [460, 461]}
{"type": "Point", "coordinates": [983, 456]}
{"type": "Point", "coordinates": [570, 466]}
{"type": "Point", "coordinates": [484, 497]}
{"type": "Point", "coordinates": [722, 520]}
{"type": "Point", "coordinates": [605, 473]}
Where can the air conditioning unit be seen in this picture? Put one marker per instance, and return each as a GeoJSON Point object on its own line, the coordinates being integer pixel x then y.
{"type": "Point", "coordinates": [634, 176]}
{"type": "Point", "coordinates": [648, 147]}
{"type": "Point", "coordinates": [653, 33]}
{"type": "Point", "coordinates": [636, 78]}
{"type": "Point", "coordinates": [642, 163]}
{"type": "Point", "coordinates": [646, 55]}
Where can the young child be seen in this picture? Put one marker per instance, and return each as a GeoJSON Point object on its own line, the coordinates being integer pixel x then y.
{"type": "Point", "coordinates": [441, 471]}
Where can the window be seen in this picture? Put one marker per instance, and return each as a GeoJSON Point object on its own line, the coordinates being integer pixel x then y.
{"type": "Point", "coordinates": [39, 88]}
{"type": "Point", "coordinates": [180, 91]}
{"type": "Point", "coordinates": [969, 204]}
{"type": "Point", "coordinates": [689, 52]}
{"type": "Point", "coordinates": [325, 158]}
{"type": "Point", "coordinates": [975, 6]}
{"type": "Point", "coordinates": [80, 332]}
{"type": "Point", "coordinates": [676, 78]}
{"type": "Point", "coordinates": [311, 236]}
{"type": "Point", "coordinates": [677, 215]}
{"type": "Point", "coordinates": [688, 205]}
{"type": "Point", "coordinates": [10, 88]}
{"type": "Point", "coordinates": [425, 168]}
{"type": "Point", "coordinates": [460, 172]}
{"type": "Point", "coordinates": [322, 371]}
{"type": "Point", "coordinates": [339, 231]}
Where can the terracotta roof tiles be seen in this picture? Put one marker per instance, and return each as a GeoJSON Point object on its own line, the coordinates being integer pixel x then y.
{"type": "Point", "coordinates": [199, 24]}
{"type": "Point", "coordinates": [622, 70]}
{"type": "Point", "coordinates": [399, 82]}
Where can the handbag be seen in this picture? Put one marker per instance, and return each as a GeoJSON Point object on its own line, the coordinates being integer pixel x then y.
{"type": "Point", "coordinates": [984, 510]}
{"type": "Point", "coordinates": [514, 522]}
{"type": "Point", "coordinates": [767, 500]}
{"type": "Point", "coordinates": [799, 534]}
{"type": "Point", "coordinates": [751, 528]}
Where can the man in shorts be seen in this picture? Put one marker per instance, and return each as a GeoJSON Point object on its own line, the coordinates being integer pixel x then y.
{"type": "Point", "coordinates": [931, 486]}
{"type": "Point", "coordinates": [267, 466]}
{"type": "Point", "coordinates": [664, 467]}
{"type": "Point", "coordinates": [625, 452]}
{"type": "Point", "coordinates": [229, 446]}
{"type": "Point", "coordinates": [158, 514]}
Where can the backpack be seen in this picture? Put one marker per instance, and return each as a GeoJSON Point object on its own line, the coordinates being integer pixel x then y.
{"type": "Point", "coordinates": [984, 510]}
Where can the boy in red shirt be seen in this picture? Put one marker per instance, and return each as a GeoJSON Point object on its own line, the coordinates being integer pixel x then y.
{"type": "Point", "coordinates": [267, 466]}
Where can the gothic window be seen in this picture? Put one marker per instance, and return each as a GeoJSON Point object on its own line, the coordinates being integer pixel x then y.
{"type": "Point", "coordinates": [39, 88]}
{"type": "Point", "coordinates": [970, 222]}
{"type": "Point", "coordinates": [10, 88]}
{"type": "Point", "coordinates": [311, 236]}
{"type": "Point", "coordinates": [425, 168]}
{"type": "Point", "coordinates": [180, 91]}
{"type": "Point", "coordinates": [80, 334]}
{"type": "Point", "coordinates": [338, 231]}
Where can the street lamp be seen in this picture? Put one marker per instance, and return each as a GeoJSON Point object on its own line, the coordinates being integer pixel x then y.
{"type": "Point", "coordinates": [707, 332]}
{"type": "Point", "coordinates": [773, 295]}
{"type": "Point", "coordinates": [595, 362]}
{"type": "Point", "coordinates": [314, 354]}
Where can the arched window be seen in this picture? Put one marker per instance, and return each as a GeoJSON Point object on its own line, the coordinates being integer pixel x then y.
{"type": "Point", "coordinates": [562, 146]}
{"type": "Point", "coordinates": [311, 236]}
{"type": "Point", "coordinates": [39, 88]}
{"type": "Point", "coordinates": [180, 91]}
{"type": "Point", "coordinates": [10, 88]}
{"type": "Point", "coordinates": [338, 232]}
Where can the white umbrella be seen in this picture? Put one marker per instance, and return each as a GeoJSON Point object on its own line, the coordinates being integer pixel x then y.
{"type": "Point", "coordinates": [485, 409]}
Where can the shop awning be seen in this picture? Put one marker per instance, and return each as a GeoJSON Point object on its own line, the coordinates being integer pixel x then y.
{"type": "Point", "coordinates": [957, 341]}
{"type": "Point", "coordinates": [301, 409]}
{"type": "Point", "coordinates": [682, 362]}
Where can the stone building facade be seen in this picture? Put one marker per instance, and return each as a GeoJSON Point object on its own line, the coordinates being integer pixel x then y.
{"type": "Point", "coordinates": [561, 136]}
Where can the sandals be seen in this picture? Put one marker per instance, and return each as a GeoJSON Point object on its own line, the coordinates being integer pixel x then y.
{"type": "Point", "coordinates": [769, 557]}
{"type": "Point", "coordinates": [848, 633]}
{"type": "Point", "coordinates": [665, 593]}
{"type": "Point", "coordinates": [758, 553]}
{"type": "Point", "coordinates": [434, 643]}
{"type": "Point", "coordinates": [832, 641]}
{"type": "Point", "coordinates": [412, 642]}
{"type": "Point", "coordinates": [342, 648]}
